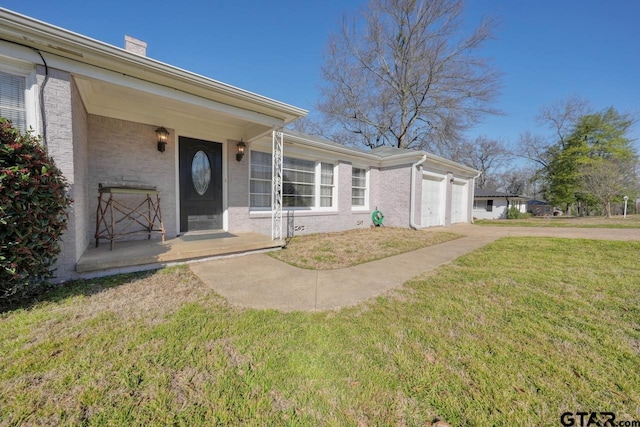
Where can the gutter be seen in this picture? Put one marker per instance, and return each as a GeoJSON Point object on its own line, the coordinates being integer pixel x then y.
{"type": "Point", "coordinates": [383, 161]}
{"type": "Point", "coordinates": [342, 149]}
{"type": "Point", "coordinates": [412, 200]}
{"type": "Point", "coordinates": [473, 194]}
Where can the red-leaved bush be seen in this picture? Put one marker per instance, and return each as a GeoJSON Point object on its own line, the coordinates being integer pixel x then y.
{"type": "Point", "coordinates": [33, 203]}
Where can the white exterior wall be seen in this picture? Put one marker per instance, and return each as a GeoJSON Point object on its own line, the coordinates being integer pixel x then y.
{"type": "Point", "coordinates": [499, 209]}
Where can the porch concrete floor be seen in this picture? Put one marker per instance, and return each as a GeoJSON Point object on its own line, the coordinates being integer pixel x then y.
{"type": "Point", "coordinates": [130, 254]}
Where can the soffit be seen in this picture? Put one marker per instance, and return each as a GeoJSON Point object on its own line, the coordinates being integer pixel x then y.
{"type": "Point", "coordinates": [112, 100]}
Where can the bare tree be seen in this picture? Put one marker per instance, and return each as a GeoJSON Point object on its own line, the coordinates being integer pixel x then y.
{"type": "Point", "coordinates": [607, 179]}
{"type": "Point", "coordinates": [484, 154]}
{"type": "Point", "coordinates": [534, 148]}
{"type": "Point", "coordinates": [402, 73]}
{"type": "Point", "coordinates": [561, 116]}
{"type": "Point", "coordinates": [309, 126]}
{"type": "Point", "coordinates": [519, 180]}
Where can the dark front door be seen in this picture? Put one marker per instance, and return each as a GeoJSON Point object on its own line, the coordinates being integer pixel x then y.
{"type": "Point", "coordinates": [200, 185]}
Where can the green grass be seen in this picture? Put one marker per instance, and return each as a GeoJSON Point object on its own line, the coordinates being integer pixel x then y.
{"type": "Point", "coordinates": [513, 334]}
{"type": "Point", "coordinates": [631, 221]}
{"type": "Point", "coordinates": [328, 251]}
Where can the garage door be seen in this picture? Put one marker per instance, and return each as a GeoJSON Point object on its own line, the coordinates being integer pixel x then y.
{"type": "Point", "coordinates": [459, 202]}
{"type": "Point", "coordinates": [432, 212]}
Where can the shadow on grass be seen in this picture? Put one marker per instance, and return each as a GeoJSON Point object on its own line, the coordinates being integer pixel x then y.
{"type": "Point", "coordinates": [57, 292]}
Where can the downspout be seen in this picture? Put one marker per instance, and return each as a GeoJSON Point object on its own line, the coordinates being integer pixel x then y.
{"type": "Point", "coordinates": [412, 201]}
{"type": "Point", "coordinates": [473, 194]}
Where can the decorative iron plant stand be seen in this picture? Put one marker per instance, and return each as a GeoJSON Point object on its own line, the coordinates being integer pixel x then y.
{"type": "Point", "coordinates": [113, 213]}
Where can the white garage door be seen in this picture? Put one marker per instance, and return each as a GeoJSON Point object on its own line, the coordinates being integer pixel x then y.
{"type": "Point", "coordinates": [432, 202]}
{"type": "Point", "coordinates": [459, 202]}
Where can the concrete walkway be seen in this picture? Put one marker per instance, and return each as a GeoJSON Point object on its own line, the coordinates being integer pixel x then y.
{"type": "Point", "coordinates": [259, 281]}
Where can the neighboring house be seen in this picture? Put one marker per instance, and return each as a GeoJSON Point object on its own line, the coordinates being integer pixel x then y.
{"type": "Point", "coordinates": [539, 207]}
{"type": "Point", "coordinates": [226, 164]}
{"type": "Point", "coordinates": [491, 204]}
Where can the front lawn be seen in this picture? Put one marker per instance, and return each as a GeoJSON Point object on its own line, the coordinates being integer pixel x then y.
{"type": "Point", "coordinates": [513, 334]}
{"type": "Point", "coordinates": [631, 221]}
{"type": "Point", "coordinates": [328, 251]}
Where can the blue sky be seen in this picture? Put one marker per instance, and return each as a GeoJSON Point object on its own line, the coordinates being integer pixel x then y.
{"type": "Point", "coordinates": [546, 49]}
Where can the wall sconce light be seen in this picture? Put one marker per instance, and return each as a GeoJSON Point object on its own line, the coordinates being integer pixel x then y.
{"type": "Point", "coordinates": [240, 152]}
{"type": "Point", "coordinates": [162, 134]}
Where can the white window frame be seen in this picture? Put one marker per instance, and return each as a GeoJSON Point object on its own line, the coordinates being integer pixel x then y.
{"type": "Point", "coordinates": [483, 205]}
{"type": "Point", "coordinates": [317, 187]}
{"type": "Point", "coordinates": [311, 184]}
{"type": "Point", "coordinates": [367, 171]}
{"type": "Point", "coordinates": [28, 72]}
{"type": "Point", "coordinates": [269, 181]}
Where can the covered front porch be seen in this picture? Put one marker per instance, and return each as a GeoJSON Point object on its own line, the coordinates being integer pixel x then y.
{"type": "Point", "coordinates": [123, 150]}
{"type": "Point", "coordinates": [148, 254]}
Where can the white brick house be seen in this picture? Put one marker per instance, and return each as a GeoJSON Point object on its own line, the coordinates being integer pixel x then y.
{"type": "Point", "coordinates": [99, 107]}
{"type": "Point", "coordinates": [492, 204]}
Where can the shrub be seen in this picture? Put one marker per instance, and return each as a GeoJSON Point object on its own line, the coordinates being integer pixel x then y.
{"type": "Point", "coordinates": [33, 203]}
{"type": "Point", "coordinates": [514, 213]}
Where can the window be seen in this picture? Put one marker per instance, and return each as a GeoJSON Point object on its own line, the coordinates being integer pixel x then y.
{"type": "Point", "coordinates": [485, 205]}
{"type": "Point", "coordinates": [326, 185]}
{"type": "Point", "coordinates": [298, 183]}
{"type": "Point", "coordinates": [305, 183]}
{"type": "Point", "coordinates": [358, 187]}
{"type": "Point", "coordinates": [260, 182]}
{"type": "Point", "coordinates": [12, 99]}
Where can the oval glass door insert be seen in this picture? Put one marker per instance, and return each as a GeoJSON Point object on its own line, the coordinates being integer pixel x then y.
{"type": "Point", "coordinates": [201, 172]}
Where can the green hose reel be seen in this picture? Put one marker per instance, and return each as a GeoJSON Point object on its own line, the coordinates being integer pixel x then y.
{"type": "Point", "coordinates": [377, 218]}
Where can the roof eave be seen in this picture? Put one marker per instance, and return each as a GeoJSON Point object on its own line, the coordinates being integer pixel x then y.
{"type": "Point", "coordinates": [329, 147]}
{"type": "Point", "coordinates": [384, 161]}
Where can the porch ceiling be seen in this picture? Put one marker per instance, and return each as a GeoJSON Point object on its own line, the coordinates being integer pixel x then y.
{"type": "Point", "coordinates": [125, 103]}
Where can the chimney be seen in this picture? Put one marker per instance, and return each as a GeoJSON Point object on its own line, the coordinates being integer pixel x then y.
{"type": "Point", "coordinates": [134, 45]}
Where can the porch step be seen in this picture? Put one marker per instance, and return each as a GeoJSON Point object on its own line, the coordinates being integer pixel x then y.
{"type": "Point", "coordinates": [128, 254]}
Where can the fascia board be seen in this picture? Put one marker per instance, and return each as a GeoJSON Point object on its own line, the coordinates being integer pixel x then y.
{"type": "Point", "coordinates": [452, 166]}
{"type": "Point", "coordinates": [345, 152]}
{"type": "Point", "coordinates": [67, 44]}
{"type": "Point", "coordinates": [387, 161]}
{"type": "Point", "coordinates": [440, 162]}
{"type": "Point", "coordinates": [400, 159]}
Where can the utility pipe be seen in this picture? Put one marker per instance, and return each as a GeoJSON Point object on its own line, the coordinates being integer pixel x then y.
{"type": "Point", "coordinates": [412, 215]}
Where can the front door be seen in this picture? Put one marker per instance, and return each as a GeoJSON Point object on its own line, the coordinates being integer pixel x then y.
{"type": "Point", "coordinates": [200, 185]}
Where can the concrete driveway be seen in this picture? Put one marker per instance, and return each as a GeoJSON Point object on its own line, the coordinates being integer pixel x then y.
{"type": "Point", "coordinates": [259, 281]}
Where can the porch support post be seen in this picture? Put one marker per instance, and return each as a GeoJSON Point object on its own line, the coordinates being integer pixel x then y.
{"type": "Point", "coordinates": [276, 184]}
